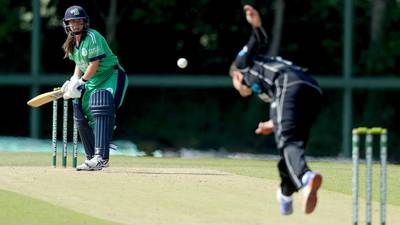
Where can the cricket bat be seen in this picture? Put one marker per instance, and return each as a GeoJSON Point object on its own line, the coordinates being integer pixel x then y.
{"type": "Point", "coordinates": [45, 98]}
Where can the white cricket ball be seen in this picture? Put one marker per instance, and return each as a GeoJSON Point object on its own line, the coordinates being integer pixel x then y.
{"type": "Point", "coordinates": [182, 63]}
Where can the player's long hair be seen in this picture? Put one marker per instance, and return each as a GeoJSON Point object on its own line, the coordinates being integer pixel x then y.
{"type": "Point", "coordinates": [69, 43]}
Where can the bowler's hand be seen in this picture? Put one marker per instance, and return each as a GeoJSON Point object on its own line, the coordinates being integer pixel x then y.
{"type": "Point", "coordinates": [237, 80]}
{"type": "Point", "coordinates": [265, 128]}
{"type": "Point", "coordinates": [252, 16]}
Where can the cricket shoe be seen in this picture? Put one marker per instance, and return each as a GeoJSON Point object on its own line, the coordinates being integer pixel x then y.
{"type": "Point", "coordinates": [311, 183]}
{"type": "Point", "coordinates": [105, 163]}
{"type": "Point", "coordinates": [286, 203]}
{"type": "Point", "coordinates": [113, 147]}
{"type": "Point", "coordinates": [96, 163]}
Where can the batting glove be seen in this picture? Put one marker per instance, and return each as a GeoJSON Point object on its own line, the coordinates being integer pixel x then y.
{"type": "Point", "coordinates": [73, 89]}
{"type": "Point", "coordinates": [64, 86]}
{"type": "Point", "coordinates": [66, 83]}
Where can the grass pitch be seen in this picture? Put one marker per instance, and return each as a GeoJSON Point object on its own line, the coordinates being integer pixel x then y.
{"type": "Point", "coordinates": [152, 191]}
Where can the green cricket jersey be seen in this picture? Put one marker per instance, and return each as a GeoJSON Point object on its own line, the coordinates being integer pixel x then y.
{"type": "Point", "coordinates": [109, 75]}
{"type": "Point", "coordinates": [94, 47]}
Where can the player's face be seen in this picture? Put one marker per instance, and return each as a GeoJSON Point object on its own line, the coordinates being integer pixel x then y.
{"type": "Point", "coordinates": [76, 25]}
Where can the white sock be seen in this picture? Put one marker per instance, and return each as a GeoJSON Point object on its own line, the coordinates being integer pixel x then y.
{"type": "Point", "coordinates": [286, 198]}
{"type": "Point", "coordinates": [305, 176]}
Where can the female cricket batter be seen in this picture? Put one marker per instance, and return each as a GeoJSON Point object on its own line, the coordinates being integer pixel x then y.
{"type": "Point", "coordinates": [295, 101]}
{"type": "Point", "coordinates": [98, 83]}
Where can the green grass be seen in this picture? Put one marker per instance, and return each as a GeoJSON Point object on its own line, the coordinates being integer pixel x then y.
{"type": "Point", "coordinates": [18, 209]}
{"type": "Point", "coordinates": [337, 175]}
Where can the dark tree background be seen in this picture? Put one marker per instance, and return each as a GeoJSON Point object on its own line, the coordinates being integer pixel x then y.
{"type": "Point", "coordinates": [149, 36]}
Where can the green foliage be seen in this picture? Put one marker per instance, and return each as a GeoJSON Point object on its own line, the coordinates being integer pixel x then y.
{"type": "Point", "coordinates": [377, 57]}
{"type": "Point", "coordinates": [219, 29]}
{"type": "Point", "coordinates": [151, 35]}
{"type": "Point", "coordinates": [218, 119]}
{"type": "Point", "coordinates": [153, 12]}
{"type": "Point", "coordinates": [325, 135]}
{"type": "Point", "coordinates": [10, 18]}
{"type": "Point", "coordinates": [199, 119]}
{"type": "Point", "coordinates": [379, 110]}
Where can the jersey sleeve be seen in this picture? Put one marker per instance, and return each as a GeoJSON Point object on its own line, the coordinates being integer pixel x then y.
{"type": "Point", "coordinates": [256, 45]}
{"type": "Point", "coordinates": [95, 48]}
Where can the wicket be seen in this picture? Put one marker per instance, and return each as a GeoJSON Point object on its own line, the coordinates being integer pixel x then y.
{"type": "Point", "coordinates": [369, 132]}
{"type": "Point", "coordinates": [64, 136]}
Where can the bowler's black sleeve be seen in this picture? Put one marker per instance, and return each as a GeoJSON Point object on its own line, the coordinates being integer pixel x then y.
{"type": "Point", "coordinates": [257, 45]}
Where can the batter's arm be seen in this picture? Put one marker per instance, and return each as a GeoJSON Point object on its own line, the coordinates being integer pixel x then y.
{"type": "Point", "coordinates": [91, 70]}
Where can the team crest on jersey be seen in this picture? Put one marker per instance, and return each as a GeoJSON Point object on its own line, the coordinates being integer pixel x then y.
{"type": "Point", "coordinates": [84, 52]}
{"type": "Point", "coordinates": [74, 11]}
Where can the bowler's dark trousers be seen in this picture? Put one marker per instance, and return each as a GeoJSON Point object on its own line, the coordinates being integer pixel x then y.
{"type": "Point", "coordinates": [294, 108]}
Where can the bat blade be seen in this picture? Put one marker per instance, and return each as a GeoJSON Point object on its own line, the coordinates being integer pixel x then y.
{"type": "Point", "coordinates": [45, 98]}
